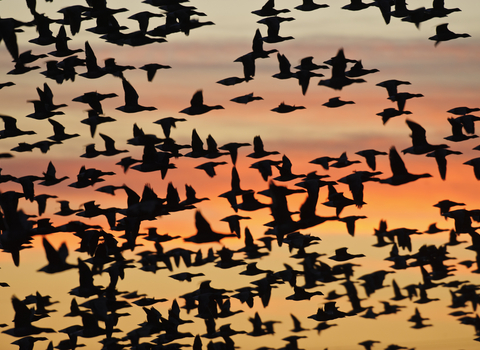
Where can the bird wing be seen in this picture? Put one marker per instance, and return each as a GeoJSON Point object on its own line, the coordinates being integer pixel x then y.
{"type": "Point", "coordinates": [396, 163]}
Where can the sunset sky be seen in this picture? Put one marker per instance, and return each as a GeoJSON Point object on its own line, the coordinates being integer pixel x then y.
{"type": "Point", "coordinates": [446, 75]}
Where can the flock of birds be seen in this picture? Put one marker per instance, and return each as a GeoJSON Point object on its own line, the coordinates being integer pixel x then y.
{"type": "Point", "coordinates": [102, 248]}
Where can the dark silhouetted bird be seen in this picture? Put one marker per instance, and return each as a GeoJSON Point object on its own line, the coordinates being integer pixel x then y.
{"type": "Point", "coordinates": [131, 100]}
{"type": "Point", "coordinates": [197, 106]}
{"type": "Point", "coordinates": [445, 34]}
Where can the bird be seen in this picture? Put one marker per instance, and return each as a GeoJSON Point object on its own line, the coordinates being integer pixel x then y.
{"type": "Point", "coordinates": [400, 174]}
{"type": "Point", "coordinates": [457, 133]}
{"type": "Point", "coordinates": [110, 149]}
{"type": "Point", "coordinates": [356, 5]}
{"type": "Point", "coordinates": [268, 9]}
{"type": "Point", "coordinates": [93, 99]}
{"type": "Point", "coordinates": [259, 150]}
{"type": "Point", "coordinates": [93, 69]}
{"type": "Point", "coordinates": [168, 123]}
{"type": "Point", "coordinates": [94, 119]}
{"type": "Point", "coordinates": [445, 34]}
{"type": "Point", "coordinates": [131, 100]}
{"type": "Point", "coordinates": [62, 49]}
{"type": "Point", "coordinates": [401, 98]}
{"type": "Point", "coordinates": [11, 129]}
{"type": "Point", "coordinates": [197, 106]}
{"type": "Point", "coordinates": [248, 63]}
{"type": "Point", "coordinates": [204, 233]}
{"type": "Point", "coordinates": [336, 102]}
{"type": "Point", "coordinates": [389, 113]}
{"type": "Point", "coordinates": [369, 155]}
{"type": "Point", "coordinates": [59, 132]}
{"type": "Point", "coordinates": [440, 156]}
{"type": "Point", "coordinates": [357, 70]}
{"type": "Point", "coordinates": [341, 254]}
{"type": "Point", "coordinates": [50, 178]}
{"type": "Point", "coordinates": [284, 66]}
{"type": "Point", "coordinates": [284, 108]}
{"type": "Point", "coordinates": [419, 140]}
{"type": "Point", "coordinates": [273, 24]}
{"type": "Point", "coordinates": [339, 80]}
{"type": "Point", "coordinates": [257, 46]}
{"type": "Point", "coordinates": [209, 167]}
{"type": "Point", "coordinates": [246, 98]}
{"type": "Point", "coordinates": [151, 69]}
{"type": "Point", "coordinates": [309, 5]}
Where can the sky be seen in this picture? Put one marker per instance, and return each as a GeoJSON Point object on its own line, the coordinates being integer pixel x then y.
{"type": "Point", "coordinates": [446, 75]}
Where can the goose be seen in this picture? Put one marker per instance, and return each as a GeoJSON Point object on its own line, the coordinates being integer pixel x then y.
{"type": "Point", "coordinates": [335, 102]}
{"type": "Point", "coordinates": [8, 83]}
{"type": "Point", "coordinates": [309, 5]}
{"type": "Point", "coordinates": [400, 174]}
{"type": "Point", "coordinates": [65, 209]}
{"type": "Point", "coordinates": [356, 5]}
{"type": "Point", "coordinates": [151, 69]}
{"type": "Point", "coordinates": [131, 100]}
{"type": "Point", "coordinates": [231, 81]}
{"type": "Point", "coordinates": [59, 132]}
{"type": "Point", "coordinates": [462, 110]}
{"type": "Point", "coordinates": [93, 99]}
{"type": "Point", "coordinates": [95, 119]}
{"type": "Point", "coordinates": [338, 79]}
{"type": "Point", "coordinates": [209, 167]}
{"type": "Point", "coordinates": [50, 178]}
{"type": "Point", "coordinates": [438, 9]}
{"type": "Point", "coordinates": [56, 258]}
{"type": "Point", "coordinates": [417, 16]}
{"type": "Point", "coordinates": [284, 108]}
{"type": "Point", "coordinates": [257, 46]}
{"type": "Point", "coordinates": [273, 24]}
{"type": "Point", "coordinates": [419, 140]}
{"type": "Point", "coordinates": [167, 123]}
{"type": "Point", "coordinates": [246, 98]}
{"type": "Point", "coordinates": [391, 85]}
{"type": "Point", "coordinates": [440, 155]}
{"type": "Point", "coordinates": [389, 113]}
{"type": "Point", "coordinates": [204, 233]}
{"type": "Point", "coordinates": [284, 65]}
{"type": "Point", "coordinates": [232, 148]}
{"type": "Point", "coordinates": [445, 34]}
{"type": "Point", "coordinates": [197, 106]}
{"type": "Point", "coordinates": [268, 9]}
{"type": "Point", "coordinates": [248, 63]}
{"type": "Point", "coordinates": [259, 150]}
{"type": "Point", "coordinates": [343, 161]}
{"type": "Point", "coordinates": [401, 98]}
{"type": "Point", "coordinates": [110, 149]}
{"type": "Point", "coordinates": [306, 63]}
{"type": "Point", "coordinates": [41, 112]}
{"type": "Point", "coordinates": [357, 70]}
{"type": "Point", "coordinates": [111, 67]}
{"type": "Point", "coordinates": [11, 129]}
{"type": "Point", "coordinates": [62, 49]}
{"type": "Point", "coordinates": [143, 18]}
{"type": "Point", "coordinates": [457, 133]}
{"type": "Point", "coordinates": [93, 69]}
{"type": "Point", "coordinates": [369, 155]}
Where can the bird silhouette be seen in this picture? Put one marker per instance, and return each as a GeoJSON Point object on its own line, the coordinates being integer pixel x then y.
{"type": "Point", "coordinates": [204, 233]}
{"type": "Point", "coordinates": [197, 106]}
{"type": "Point", "coordinates": [445, 34]}
{"type": "Point", "coordinates": [131, 100]}
{"type": "Point", "coordinates": [400, 174]}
